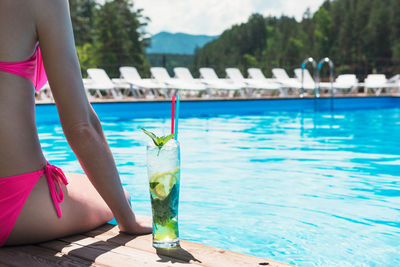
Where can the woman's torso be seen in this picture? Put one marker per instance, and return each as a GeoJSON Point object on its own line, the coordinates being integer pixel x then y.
{"type": "Point", "coordinates": [20, 150]}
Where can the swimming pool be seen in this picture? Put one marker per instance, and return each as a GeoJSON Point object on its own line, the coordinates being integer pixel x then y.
{"type": "Point", "coordinates": [270, 178]}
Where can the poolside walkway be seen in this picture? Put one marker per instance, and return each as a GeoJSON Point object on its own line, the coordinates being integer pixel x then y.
{"type": "Point", "coordinates": [105, 246]}
{"type": "Point", "coordinates": [216, 98]}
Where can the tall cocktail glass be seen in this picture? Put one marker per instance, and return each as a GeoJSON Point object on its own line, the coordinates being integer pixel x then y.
{"type": "Point", "coordinates": [163, 167]}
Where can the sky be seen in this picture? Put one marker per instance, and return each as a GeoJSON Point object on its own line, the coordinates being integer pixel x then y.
{"type": "Point", "coordinates": [212, 17]}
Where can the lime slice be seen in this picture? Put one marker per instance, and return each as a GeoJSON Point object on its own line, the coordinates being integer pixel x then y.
{"type": "Point", "coordinates": [162, 183]}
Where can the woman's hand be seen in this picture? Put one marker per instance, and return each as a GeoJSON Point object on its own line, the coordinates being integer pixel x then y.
{"type": "Point", "coordinates": [139, 225]}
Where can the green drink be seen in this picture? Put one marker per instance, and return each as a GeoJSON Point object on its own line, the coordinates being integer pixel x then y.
{"type": "Point", "coordinates": [163, 167]}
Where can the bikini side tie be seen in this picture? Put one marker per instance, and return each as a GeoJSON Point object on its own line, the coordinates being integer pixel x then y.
{"type": "Point", "coordinates": [55, 175]}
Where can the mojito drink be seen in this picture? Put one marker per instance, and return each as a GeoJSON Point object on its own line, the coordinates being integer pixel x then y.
{"type": "Point", "coordinates": [163, 167]}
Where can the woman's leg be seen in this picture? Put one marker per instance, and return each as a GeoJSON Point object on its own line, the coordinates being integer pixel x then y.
{"type": "Point", "coordinates": [82, 210]}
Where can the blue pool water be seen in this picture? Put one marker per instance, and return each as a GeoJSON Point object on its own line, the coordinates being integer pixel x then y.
{"type": "Point", "coordinates": [311, 188]}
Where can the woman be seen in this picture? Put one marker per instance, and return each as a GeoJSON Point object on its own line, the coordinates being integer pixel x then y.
{"type": "Point", "coordinates": [35, 203]}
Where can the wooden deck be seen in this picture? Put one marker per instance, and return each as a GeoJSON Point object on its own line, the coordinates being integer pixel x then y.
{"type": "Point", "coordinates": [105, 246]}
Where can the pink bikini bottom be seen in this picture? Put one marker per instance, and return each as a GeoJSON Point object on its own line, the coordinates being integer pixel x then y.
{"type": "Point", "coordinates": [15, 190]}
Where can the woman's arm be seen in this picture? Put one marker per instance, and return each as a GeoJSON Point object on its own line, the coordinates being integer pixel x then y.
{"type": "Point", "coordinates": [79, 122]}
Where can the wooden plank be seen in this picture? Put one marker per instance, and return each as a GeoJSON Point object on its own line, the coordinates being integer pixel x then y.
{"type": "Point", "coordinates": [34, 256]}
{"type": "Point", "coordinates": [189, 252]}
{"type": "Point", "coordinates": [105, 246]}
{"type": "Point", "coordinates": [120, 249]}
{"type": "Point", "coordinates": [107, 254]}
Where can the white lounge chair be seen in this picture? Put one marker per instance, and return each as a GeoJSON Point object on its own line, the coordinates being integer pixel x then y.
{"type": "Point", "coordinates": [257, 75]}
{"type": "Point", "coordinates": [98, 81]}
{"type": "Point", "coordinates": [283, 78]}
{"type": "Point", "coordinates": [235, 75]}
{"type": "Point", "coordinates": [344, 82]}
{"type": "Point", "coordinates": [394, 82]}
{"type": "Point", "coordinates": [376, 82]}
{"type": "Point", "coordinates": [131, 76]}
{"type": "Point", "coordinates": [86, 84]}
{"type": "Point", "coordinates": [307, 80]}
{"type": "Point", "coordinates": [394, 79]}
{"type": "Point", "coordinates": [210, 78]}
{"type": "Point", "coordinates": [161, 75]}
{"type": "Point", "coordinates": [185, 75]}
{"type": "Point", "coordinates": [45, 94]}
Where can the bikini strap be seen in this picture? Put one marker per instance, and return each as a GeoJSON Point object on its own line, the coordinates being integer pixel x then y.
{"type": "Point", "coordinates": [55, 175]}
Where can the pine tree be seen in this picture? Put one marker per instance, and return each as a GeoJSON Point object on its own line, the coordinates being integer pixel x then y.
{"type": "Point", "coordinates": [119, 36]}
{"type": "Point", "coordinates": [395, 34]}
{"type": "Point", "coordinates": [82, 15]}
{"type": "Point", "coordinates": [323, 33]}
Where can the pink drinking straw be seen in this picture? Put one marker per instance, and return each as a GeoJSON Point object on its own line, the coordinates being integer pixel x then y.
{"type": "Point", "coordinates": [173, 115]}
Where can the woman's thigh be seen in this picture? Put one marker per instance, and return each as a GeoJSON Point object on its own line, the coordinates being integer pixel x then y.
{"type": "Point", "coordinates": [83, 209]}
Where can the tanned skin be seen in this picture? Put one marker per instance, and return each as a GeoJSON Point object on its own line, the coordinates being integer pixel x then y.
{"type": "Point", "coordinates": [90, 200]}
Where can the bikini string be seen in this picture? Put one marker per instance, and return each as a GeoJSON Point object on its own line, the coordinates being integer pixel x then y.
{"type": "Point", "coordinates": [54, 175]}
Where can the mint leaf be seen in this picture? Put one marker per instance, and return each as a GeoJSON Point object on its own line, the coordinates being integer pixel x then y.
{"type": "Point", "coordinates": [159, 141]}
{"type": "Point", "coordinates": [151, 135]}
{"type": "Point", "coordinates": [152, 185]}
{"type": "Point", "coordinates": [167, 209]}
{"type": "Point", "coordinates": [167, 138]}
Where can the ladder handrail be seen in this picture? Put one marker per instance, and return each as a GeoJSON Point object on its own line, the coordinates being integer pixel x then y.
{"type": "Point", "coordinates": [331, 73]}
{"type": "Point", "coordinates": [303, 66]}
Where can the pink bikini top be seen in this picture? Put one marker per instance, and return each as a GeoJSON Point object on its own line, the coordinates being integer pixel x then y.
{"type": "Point", "coordinates": [32, 69]}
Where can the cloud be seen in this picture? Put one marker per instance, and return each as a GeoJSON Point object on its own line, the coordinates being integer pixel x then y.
{"type": "Point", "coordinates": [214, 16]}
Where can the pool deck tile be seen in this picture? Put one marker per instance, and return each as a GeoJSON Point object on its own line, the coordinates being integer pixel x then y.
{"type": "Point", "coordinates": [106, 246]}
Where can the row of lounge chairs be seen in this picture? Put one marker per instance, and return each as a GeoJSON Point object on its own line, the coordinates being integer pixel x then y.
{"type": "Point", "coordinates": [98, 83]}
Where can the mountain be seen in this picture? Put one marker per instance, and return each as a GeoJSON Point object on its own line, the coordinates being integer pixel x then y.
{"type": "Point", "coordinates": [177, 43]}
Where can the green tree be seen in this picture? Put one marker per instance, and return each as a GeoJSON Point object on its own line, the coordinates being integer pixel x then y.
{"type": "Point", "coordinates": [239, 46]}
{"type": "Point", "coordinates": [82, 16]}
{"type": "Point", "coordinates": [119, 37]}
{"type": "Point", "coordinates": [395, 36]}
{"type": "Point", "coordinates": [88, 56]}
{"type": "Point", "coordinates": [360, 36]}
{"type": "Point", "coordinates": [323, 32]}
{"type": "Point", "coordinates": [377, 35]}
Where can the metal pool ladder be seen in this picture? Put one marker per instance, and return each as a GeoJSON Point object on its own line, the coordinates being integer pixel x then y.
{"type": "Point", "coordinates": [303, 66]}
{"type": "Point", "coordinates": [331, 74]}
